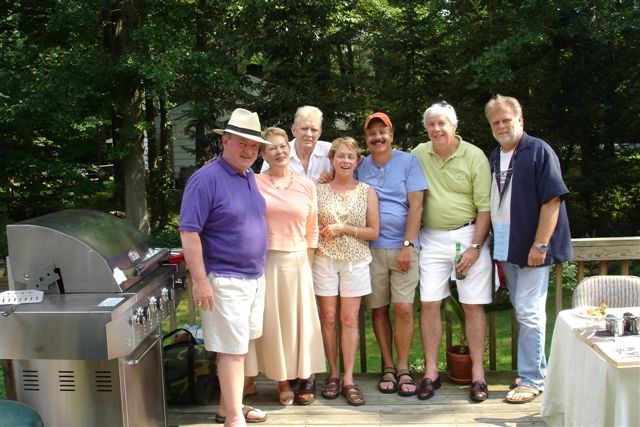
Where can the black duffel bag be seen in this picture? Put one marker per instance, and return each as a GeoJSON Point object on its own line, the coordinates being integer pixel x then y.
{"type": "Point", "coordinates": [189, 370]}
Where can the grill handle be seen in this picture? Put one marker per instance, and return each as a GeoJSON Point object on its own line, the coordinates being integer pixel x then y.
{"type": "Point", "coordinates": [140, 267]}
{"type": "Point", "coordinates": [155, 259]}
{"type": "Point", "coordinates": [139, 358]}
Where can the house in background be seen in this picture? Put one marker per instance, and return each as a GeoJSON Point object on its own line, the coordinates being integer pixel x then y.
{"type": "Point", "coordinates": [183, 155]}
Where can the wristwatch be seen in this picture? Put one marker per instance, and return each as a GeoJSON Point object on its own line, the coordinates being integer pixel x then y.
{"type": "Point", "coordinates": [542, 247]}
{"type": "Point", "coordinates": [407, 243]}
{"type": "Point", "coordinates": [476, 246]}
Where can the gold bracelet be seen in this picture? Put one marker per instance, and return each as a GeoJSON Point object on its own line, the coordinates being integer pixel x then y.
{"type": "Point", "coordinates": [356, 230]}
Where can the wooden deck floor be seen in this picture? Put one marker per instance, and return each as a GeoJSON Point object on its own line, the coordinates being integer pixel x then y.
{"type": "Point", "coordinates": [449, 407]}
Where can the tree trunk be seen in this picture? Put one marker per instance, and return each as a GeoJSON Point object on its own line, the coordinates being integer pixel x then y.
{"type": "Point", "coordinates": [127, 92]}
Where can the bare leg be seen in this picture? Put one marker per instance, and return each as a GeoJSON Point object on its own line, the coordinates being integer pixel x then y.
{"type": "Point", "coordinates": [431, 334]}
{"type": "Point", "coordinates": [349, 308]}
{"type": "Point", "coordinates": [382, 330]}
{"type": "Point", "coordinates": [403, 332]}
{"type": "Point", "coordinates": [328, 324]}
{"type": "Point", "coordinates": [231, 376]}
{"type": "Point", "coordinates": [476, 329]}
{"type": "Point", "coordinates": [403, 335]}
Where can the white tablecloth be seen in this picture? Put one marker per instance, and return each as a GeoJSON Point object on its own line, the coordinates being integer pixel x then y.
{"type": "Point", "coordinates": [582, 388]}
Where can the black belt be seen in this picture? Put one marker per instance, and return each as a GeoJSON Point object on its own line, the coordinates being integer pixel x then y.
{"type": "Point", "coordinates": [466, 224]}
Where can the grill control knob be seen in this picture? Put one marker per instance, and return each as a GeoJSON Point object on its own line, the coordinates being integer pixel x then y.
{"type": "Point", "coordinates": [166, 294]}
{"type": "Point", "coordinates": [155, 304]}
{"type": "Point", "coordinates": [141, 315]}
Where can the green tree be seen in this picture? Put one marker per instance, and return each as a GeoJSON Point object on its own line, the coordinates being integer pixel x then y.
{"type": "Point", "coordinates": [76, 73]}
{"type": "Point", "coordinates": [575, 69]}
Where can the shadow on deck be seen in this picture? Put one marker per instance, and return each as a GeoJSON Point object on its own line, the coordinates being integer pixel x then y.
{"type": "Point", "coordinates": [450, 406]}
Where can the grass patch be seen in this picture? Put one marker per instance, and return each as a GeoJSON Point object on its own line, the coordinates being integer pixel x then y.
{"type": "Point", "coordinates": [416, 357]}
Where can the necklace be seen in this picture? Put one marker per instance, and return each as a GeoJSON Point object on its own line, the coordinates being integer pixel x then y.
{"type": "Point", "coordinates": [345, 202]}
{"type": "Point", "coordinates": [277, 184]}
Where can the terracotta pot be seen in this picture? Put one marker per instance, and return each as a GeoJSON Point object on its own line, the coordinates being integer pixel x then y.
{"type": "Point", "coordinates": [459, 365]}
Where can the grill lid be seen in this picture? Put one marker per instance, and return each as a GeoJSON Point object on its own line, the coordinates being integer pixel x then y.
{"type": "Point", "coordinates": [80, 251]}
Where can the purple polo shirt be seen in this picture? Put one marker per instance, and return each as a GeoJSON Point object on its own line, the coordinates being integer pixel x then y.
{"type": "Point", "coordinates": [227, 210]}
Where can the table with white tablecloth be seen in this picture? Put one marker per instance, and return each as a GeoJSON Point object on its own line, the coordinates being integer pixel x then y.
{"type": "Point", "coordinates": [590, 383]}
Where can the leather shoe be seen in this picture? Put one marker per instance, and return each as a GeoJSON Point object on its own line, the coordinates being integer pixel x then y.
{"type": "Point", "coordinates": [479, 391]}
{"type": "Point", "coordinates": [428, 387]}
{"type": "Point", "coordinates": [306, 392]}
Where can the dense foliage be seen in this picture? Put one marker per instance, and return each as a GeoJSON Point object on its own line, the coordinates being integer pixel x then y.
{"type": "Point", "coordinates": [83, 83]}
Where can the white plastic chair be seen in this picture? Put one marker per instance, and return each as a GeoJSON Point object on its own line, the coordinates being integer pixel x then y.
{"type": "Point", "coordinates": [616, 291]}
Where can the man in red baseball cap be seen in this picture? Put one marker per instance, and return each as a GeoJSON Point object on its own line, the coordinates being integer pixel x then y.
{"type": "Point", "coordinates": [400, 184]}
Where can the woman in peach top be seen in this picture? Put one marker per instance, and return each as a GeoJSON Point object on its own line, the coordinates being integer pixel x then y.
{"type": "Point", "coordinates": [289, 347]}
{"type": "Point", "coordinates": [348, 218]}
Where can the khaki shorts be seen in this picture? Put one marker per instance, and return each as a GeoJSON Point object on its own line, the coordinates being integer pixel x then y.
{"type": "Point", "coordinates": [237, 315]}
{"type": "Point", "coordinates": [347, 279]}
{"type": "Point", "coordinates": [388, 284]}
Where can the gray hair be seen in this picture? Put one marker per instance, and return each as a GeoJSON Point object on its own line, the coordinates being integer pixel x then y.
{"type": "Point", "coordinates": [440, 109]}
{"type": "Point", "coordinates": [306, 111]}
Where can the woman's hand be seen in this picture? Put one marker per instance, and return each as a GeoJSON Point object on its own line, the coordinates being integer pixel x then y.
{"type": "Point", "coordinates": [333, 230]}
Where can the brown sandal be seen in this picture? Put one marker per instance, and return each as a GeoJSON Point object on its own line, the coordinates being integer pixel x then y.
{"type": "Point", "coordinates": [331, 388]}
{"type": "Point", "coordinates": [353, 394]}
{"type": "Point", "coordinates": [306, 392]}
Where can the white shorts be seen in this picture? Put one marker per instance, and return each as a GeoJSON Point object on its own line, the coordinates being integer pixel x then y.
{"type": "Point", "coordinates": [237, 315]}
{"type": "Point", "coordinates": [437, 250]}
{"type": "Point", "coordinates": [347, 279]}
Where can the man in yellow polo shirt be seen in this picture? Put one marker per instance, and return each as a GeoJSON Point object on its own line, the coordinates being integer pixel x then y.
{"type": "Point", "coordinates": [456, 210]}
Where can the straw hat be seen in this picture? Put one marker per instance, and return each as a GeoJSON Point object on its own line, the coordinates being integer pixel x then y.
{"type": "Point", "coordinates": [244, 123]}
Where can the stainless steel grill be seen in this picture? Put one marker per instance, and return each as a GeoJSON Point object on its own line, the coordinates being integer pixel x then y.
{"type": "Point", "coordinates": [90, 353]}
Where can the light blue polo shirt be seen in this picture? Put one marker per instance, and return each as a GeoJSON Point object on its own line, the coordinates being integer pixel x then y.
{"type": "Point", "coordinates": [392, 181]}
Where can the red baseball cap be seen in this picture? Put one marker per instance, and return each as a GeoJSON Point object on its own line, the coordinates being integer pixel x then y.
{"type": "Point", "coordinates": [380, 116]}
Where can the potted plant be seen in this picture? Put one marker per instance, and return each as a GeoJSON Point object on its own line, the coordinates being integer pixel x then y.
{"type": "Point", "coordinates": [458, 357]}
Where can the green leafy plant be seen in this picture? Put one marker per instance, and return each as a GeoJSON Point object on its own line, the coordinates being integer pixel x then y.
{"type": "Point", "coordinates": [452, 305]}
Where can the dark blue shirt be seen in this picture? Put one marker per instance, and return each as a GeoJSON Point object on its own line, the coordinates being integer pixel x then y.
{"type": "Point", "coordinates": [536, 178]}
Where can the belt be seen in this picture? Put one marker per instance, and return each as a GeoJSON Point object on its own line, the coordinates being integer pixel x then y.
{"type": "Point", "coordinates": [466, 224]}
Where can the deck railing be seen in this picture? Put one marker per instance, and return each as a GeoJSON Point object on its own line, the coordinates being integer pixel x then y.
{"type": "Point", "coordinates": [595, 256]}
{"type": "Point", "coordinates": [611, 255]}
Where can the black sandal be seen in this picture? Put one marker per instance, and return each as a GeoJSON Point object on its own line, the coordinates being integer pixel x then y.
{"type": "Point", "coordinates": [405, 373]}
{"type": "Point", "coordinates": [331, 388]}
{"type": "Point", "coordinates": [394, 381]}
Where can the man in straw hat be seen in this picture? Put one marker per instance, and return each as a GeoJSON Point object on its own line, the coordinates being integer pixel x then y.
{"type": "Point", "coordinates": [224, 237]}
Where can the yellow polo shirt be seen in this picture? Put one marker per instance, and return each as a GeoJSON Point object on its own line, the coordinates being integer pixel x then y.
{"type": "Point", "coordinates": [458, 187]}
